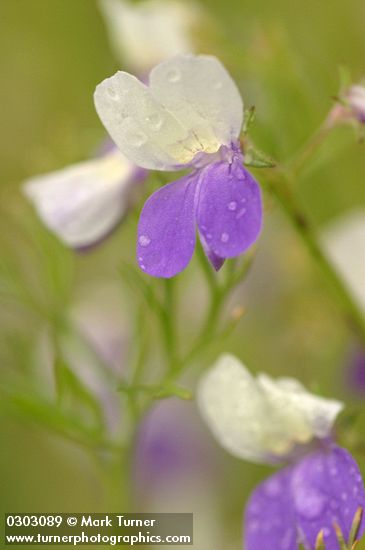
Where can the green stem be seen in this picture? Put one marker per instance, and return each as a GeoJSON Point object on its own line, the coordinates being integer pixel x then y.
{"type": "Point", "coordinates": [168, 323]}
{"type": "Point", "coordinates": [297, 163]}
{"type": "Point", "coordinates": [280, 186]}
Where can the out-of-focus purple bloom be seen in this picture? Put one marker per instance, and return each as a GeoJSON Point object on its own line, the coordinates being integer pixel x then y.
{"type": "Point", "coordinates": [351, 106]}
{"type": "Point", "coordinates": [265, 420]}
{"type": "Point", "coordinates": [295, 504]}
{"type": "Point", "coordinates": [355, 372]}
{"type": "Point", "coordinates": [171, 446]}
{"type": "Point", "coordinates": [83, 203]}
{"type": "Point", "coordinates": [190, 116]}
{"type": "Point", "coordinates": [355, 98]}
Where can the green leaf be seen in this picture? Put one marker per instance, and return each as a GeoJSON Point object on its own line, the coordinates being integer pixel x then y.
{"type": "Point", "coordinates": [355, 527]}
{"type": "Point", "coordinates": [320, 541]}
{"type": "Point", "coordinates": [248, 118]}
{"type": "Point", "coordinates": [257, 159]}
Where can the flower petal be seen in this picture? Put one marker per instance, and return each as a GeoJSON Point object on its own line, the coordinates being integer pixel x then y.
{"type": "Point", "coordinates": [144, 34]}
{"type": "Point", "coordinates": [326, 487]}
{"type": "Point", "coordinates": [142, 128]}
{"type": "Point", "coordinates": [344, 242]}
{"type": "Point", "coordinates": [303, 414]}
{"type": "Point", "coordinates": [202, 96]}
{"type": "Point", "coordinates": [166, 230]}
{"type": "Point", "coordinates": [215, 260]}
{"type": "Point", "coordinates": [229, 212]}
{"type": "Point", "coordinates": [192, 106]}
{"type": "Point", "coordinates": [269, 517]}
{"type": "Point", "coordinates": [234, 408]}
{"type": "Point", "coordinates": [83, 202]}
{"type": "Point", "coordinates": [298, 502]}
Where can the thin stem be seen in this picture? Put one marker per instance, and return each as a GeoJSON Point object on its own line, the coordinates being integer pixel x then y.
{"type": "Point", "coordinates": [297, 163]}
{"type": "Point", "coordinates": [281, 189]}
{"type": "Point", "coordinates": [169, 333]}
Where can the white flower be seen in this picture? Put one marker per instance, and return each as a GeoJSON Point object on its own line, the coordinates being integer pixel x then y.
{"type": "Point", "coordinates": [261, 419]}
{"type": "Point", "coordinates": [190, 106]}
{"type": "Point", "coordinates": [344, 241]}
{"type": "Point", "coordinates": [144, 34]}
{"type": "Point", "coordinates": [82, 203]}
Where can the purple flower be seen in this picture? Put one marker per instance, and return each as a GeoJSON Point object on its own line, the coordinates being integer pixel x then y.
{"type": "Point", "coordinates": [355, 98]}
{"type": "Point", "coordinates": [355, 371]}
{"type": "Point", "coordinates": [190, 116]}
{"type": "Point", "coordinates": [172, 447]}
{"type": "Point", "coordinates": [295, 504]}
{"type": "Point", "coordinates": [278, 421]}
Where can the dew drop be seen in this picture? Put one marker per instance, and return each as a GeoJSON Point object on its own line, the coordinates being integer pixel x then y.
{"type": "Point", "coordinates": [173, 76]}
{"type": "Point", "coordinates": [209, 236]}
{"type": "Point", "coordinates": [241, 213]}
{"type": "Point", "coordinates": [155, 121]}
{"type": "Point", "coordinates": [218, 85]}
{"type": "Point", "coordinates": [309, 502]}
{"type": "Point", "coordinates": [137, 139]}
{"type": "Point", "coordinates": [112, 93]}
{"type": "Point", "coordinates": [144, 240]}
{"type": "Point", "coordinates": [326, 531]}
{"type": "Point", "coordinates": [224, 237]}
{"type": "Point", "coordinates": [232, 206]}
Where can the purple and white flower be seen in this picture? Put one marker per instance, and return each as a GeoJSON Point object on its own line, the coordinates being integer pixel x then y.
{"type": "Point", "coordinates": [82, 203]}
{"type": "Point", "coordinates": [355, 99]}
{"type": "Point", "coordinates": [189, 116]}
{"type": "Point", "coordinates": [278, 421]}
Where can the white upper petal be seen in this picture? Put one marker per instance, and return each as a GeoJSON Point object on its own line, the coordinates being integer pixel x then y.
{"type": "Point", "coordinates": [191, 106]}
{"type": "Point", "coordinates": [344, 242]}
{"type": "Point", "coordinates": [261, 419]}
{"type": "Point", "coordinates": [83, 202]}
{"type": "Point", "coordinates": [144, 34]}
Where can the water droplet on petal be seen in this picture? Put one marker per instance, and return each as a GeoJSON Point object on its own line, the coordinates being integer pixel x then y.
{"type": "Point", "coordinates": [309, 502]}
{"type": "Point", "coordinates": [224, 237]}
{"type": "Point", "coordinates": [218, 85]}
{"type": "Point", "coordinates": [173, 75]}
{"type": "Point", "coordinates": [232, 206]}
{"type": "Point", "coordinates": [155, 120]}
{"type": "Point", "coordinates": [112, 93]}
{"type": "Point", "coordinates": [144, 240]}
{"type": "Point", "coordinates": [209, 236]}
{"type": "Point", "coordinates": [137, 139]}
{"type": "Point", "coordinates": [241, 213]}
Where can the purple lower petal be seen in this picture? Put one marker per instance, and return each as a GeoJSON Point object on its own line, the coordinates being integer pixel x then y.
{"type": "Point", "coordinates": [215, 260]}
{"type": "Point", "coordinates": [298, 502]}
{"type": "Point", "coordinates": [166, 230]}
{"type": "Point", "coordinates": [327, 487]}
{"type": "Point", "coordinates": [229, 212]}
{"type": "Point", "coordinates": [269, 517]}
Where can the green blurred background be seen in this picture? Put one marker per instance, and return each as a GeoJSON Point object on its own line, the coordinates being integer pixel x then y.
{"type": "Point", "coordinates": [285, 56]}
